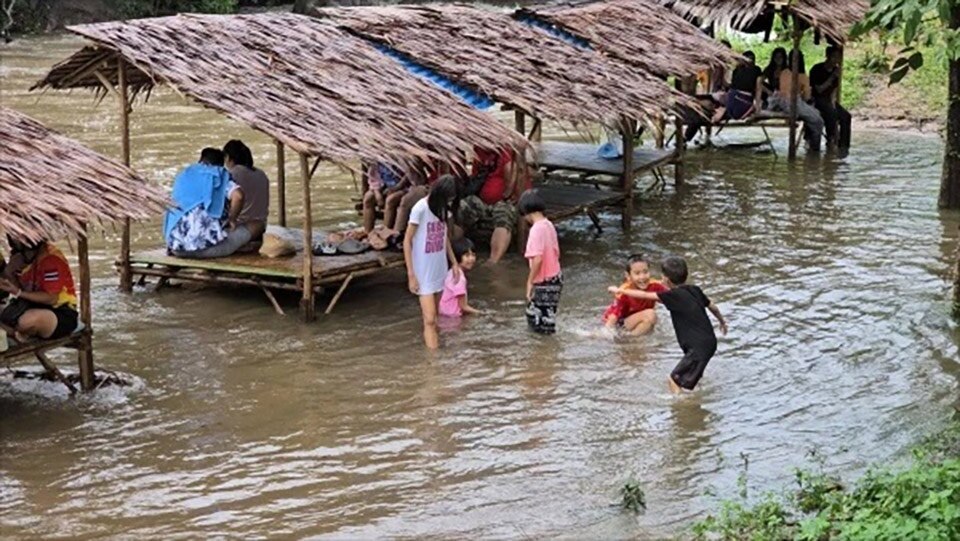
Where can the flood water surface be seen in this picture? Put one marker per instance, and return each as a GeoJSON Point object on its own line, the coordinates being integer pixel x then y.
{"type": "Point", "coordinates": [834, 275]}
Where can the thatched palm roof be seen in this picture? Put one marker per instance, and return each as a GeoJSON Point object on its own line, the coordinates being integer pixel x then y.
{"type": "Point", "coordinates": [641, 32]}
{"type": "Point", "coordinates": [831, 17]}
{"type": "Point", "coordinates": [51, 185]}
{"type": "Point", "coordinates": [496, 55]}
{"type": "Point", "coordinates": [309, 85]}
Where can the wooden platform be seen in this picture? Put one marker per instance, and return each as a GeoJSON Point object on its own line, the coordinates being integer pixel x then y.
{"type": "Point", "coordinates": [583, 158]}
{"type": "Point", "coordinates": [79, 340]}
{"type": "Point", "coordinates": [264, 272]}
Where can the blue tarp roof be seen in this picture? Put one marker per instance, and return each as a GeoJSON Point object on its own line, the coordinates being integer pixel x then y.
{"type": "Point", "coordinates": [554, 30]}
{"type": "Point", "coordinates": [475, 99]}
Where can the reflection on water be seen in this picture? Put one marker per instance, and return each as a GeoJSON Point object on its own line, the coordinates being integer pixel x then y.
{"type": "Point", "coordinates": [834, 275]}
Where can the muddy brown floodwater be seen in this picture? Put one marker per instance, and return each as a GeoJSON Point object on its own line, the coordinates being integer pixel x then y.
{"type": "Point", "coordinates": [244, 424]}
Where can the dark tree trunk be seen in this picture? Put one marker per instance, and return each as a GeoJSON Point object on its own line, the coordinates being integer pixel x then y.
{"type": "Point", "coordinates": [950, 181]}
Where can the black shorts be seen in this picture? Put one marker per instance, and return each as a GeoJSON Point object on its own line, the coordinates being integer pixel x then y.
{"type": "Point", "coordinates": [66, 321]}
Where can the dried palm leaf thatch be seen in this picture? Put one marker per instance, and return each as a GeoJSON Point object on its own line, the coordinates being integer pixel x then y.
{"type": "Point", "coordinates": [51, 185]}
{"type": "Point", "coordinates": [831, 17]}
{"type": "Point", "coordinates": [315, 88]}
{"type": "Point", "coordinates": [492, 53]}
{"type": "Point", "coordinates": [641, 32]}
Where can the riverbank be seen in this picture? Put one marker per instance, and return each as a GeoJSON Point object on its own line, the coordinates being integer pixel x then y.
{"type": "Point", "coordinates": [920, 500]}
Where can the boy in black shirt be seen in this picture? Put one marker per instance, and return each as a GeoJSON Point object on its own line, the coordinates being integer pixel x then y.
{"type": "Point", "coordinates": [825, 82]}
{"type": "Point", "coordinates": [687, 305]}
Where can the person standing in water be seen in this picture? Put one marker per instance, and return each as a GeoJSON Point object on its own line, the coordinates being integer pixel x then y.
{"type": "Point", "coordinates": [688, 307]}
{"type": "Point", "coordinates": [426, 251]}
{"type": "Point", "coordinates": [545, 279]}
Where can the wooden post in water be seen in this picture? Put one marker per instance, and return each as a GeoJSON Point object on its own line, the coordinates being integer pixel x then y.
{"type": "Point", "coordinates": [281, 185]}
{"type": "Point", "coordinates": [684, 84]}
{"type": "Point", "coordinates": [126, 276]}
{"type": "Point", "coordinates": [794, 90]}
{"type": "Point", "coordinates": [520, 121]}
{"type": "Point", "coordinates": [307, 305]}
{"type": "Point", "coordinates": [85, 351]}
{"type": "Point", "coordinates": [627, 130]}
{"type": "Point", "coordinates": [660, 137]}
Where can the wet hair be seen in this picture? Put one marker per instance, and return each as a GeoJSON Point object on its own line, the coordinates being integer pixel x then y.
{"type": "Point", "coordinates": [637, 258]}
{"type": "Point", "coordinates": [674, 268]}
{"type": "Point", "coordinates": [441, 195]}
{"type": "Point", "coordinates": [238, 152]}
{"type": "Point", "coordinates": [530, 202]}
{"type": "Point", "coordinates": [462, 247]}
{"type": "Point", "coordinates": [211, 156]}
{"type": "Point", "coordinates": [802, 65]}
{"type": "Point", "coordinates": [750, 55]}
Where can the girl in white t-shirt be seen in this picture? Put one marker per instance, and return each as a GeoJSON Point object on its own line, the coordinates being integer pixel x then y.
{"type": "Point", "coordinates": [426, 251]}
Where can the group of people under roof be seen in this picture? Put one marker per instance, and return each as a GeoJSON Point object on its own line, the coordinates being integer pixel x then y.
{"type": "Point", "coordinates": [749, 89]}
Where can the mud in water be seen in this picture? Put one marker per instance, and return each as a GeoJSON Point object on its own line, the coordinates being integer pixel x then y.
{"type": "Point", "coordinates": [834, 274]}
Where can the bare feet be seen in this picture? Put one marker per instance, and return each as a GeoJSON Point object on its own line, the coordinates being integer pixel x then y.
{"type": "Point", "coordinates": [674, 388]}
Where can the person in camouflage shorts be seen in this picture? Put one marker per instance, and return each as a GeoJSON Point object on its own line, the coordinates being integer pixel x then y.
{"type": "Point", "coordinates": [482, 222]}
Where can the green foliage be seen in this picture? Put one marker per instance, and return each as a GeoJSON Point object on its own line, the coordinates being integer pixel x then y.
{"type": "Point", "coordinates": [632, 496]}
{"type": "Point", "coordinates": [134, 9]}
{"type": "Point", "coordinates": [919, 502]}
{"type": "Point", "coordinates": [926, 24]}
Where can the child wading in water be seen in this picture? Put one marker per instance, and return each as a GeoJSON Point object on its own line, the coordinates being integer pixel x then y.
{"type": "Point", "coordinates": [687, 305]}
{"type": "Point", "coordinates": [545, 281]}
{"type": "Point", "coordinates": [426, 251]}
{"type": "Point", "coordinates": [453, 302]}
{"type": "Point", "coordinates": [634, 316]}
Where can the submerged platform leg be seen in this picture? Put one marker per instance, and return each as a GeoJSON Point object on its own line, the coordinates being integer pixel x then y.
{"type": "Point", "coordinates": [626, 218]}
{"type": "Point", "coordinates": [308, 307]}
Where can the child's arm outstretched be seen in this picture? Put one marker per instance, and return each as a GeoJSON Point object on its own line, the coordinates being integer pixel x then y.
{"type": "Point", "coordinates": [635, 293]}
{"type": "Point", "coordinates": [465, 307]}
{"type": "Point", "coordinates": [715, 310]}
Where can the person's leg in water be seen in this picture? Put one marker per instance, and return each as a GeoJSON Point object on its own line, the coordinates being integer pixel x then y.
{"type": "Point", "coordinates": [845, 121]}
{"type": "Point", "coordinates": [505, 218]}
{"type": "Point", "coordinates": [640, 323]}
{"type": "Point", "coordinates": [690, 369]}
{"type": "Point", "coordinates": [390, 206]}
{"type": "Point", "coordinates": [429, 309]}
{"type": "Point", "coordinates": [499, 244]}
{"type": "Point", "coordinates": [369, 210]}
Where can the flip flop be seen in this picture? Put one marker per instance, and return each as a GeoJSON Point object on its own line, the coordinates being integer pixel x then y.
{"type": "Point", "coordinates": [352, 247]}
{"type": "Point", "coordinates": [324, 248]}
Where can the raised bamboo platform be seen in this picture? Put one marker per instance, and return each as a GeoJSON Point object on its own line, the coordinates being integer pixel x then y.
{"type": "Point", "coordinates": [583, 158]}
{"type": "Point", "coordinates": [265, 273]}
{"type": "Point", "coordinates": [80, 340]}
{"type": "Point", "coordinates": [763, 120]}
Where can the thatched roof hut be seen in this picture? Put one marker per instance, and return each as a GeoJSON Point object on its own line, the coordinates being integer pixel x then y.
{"type": "Point", "coordinates": [51, 186]}
{"type": "Point", "coordinates": [833, 18]}
{"type": "Point", "coordinates": [318, 90]}
{"type": "Point", "coordinates": [493, 54]}
{"type": "Point", "coordinates": [641, 32]}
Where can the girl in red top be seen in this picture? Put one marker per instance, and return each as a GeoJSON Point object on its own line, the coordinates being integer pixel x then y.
{"type": "Point", "coordinates": [635, 316]}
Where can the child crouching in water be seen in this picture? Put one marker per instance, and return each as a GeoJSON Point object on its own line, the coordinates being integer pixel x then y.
{"type": "Point", "coordinates": [687, 305]}
{"type": "Point", "coordinates": [426, 251]}
{"type": "Point", "coordinates": [453, 302]}
{"type": "Point", "coordinates": [545, 280]}
{"type": "Point", "coordinates": [634, 316]}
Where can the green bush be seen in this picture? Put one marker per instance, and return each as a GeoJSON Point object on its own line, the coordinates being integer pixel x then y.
{"type": "Point", "coordinates": [134, 9]}
{"type": "Point", "coordinates": [920, 502]}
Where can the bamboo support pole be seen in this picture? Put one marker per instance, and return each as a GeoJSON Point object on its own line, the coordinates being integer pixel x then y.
{"type": "Point", "coordinates": [126, 278]}
{"type": "Point", "coordinates": [343, 287]}
{"type": "Point", "coordinates": [794, 90]}
{"type": "Point", "coordinates": [520, 121]}
{"type": "Point", "coordinates": [85, 351]}
{"type": "Point", "coordinates": [627, 130]}
{"type": "Point", "coordinates": [281, 185]}
{"type": "Point", "coordinates": [52, 369]}
{"type": "Point", "coordinates": [660, 137]}
{"type": "Point", "coordinates": [307, 304]}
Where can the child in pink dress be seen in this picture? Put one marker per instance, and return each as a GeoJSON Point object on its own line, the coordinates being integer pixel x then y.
{"type": "Point", "coordinates": [453, 301]}
{"type": "Point", "coordinates": [545, 280]}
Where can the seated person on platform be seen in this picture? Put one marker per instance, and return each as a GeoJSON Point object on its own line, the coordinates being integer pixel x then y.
{"type": "Point", "coordinates": [780, 101]}
{"type": "Point", "coordinates": [634, 316]}
{"type": "Point", "coordinates": [44, 300]}
{"type": "Point", "coordinates": [419, 181]}
{"type": "Point", "coordinates": [385, 188]}
{"type": "Point", "coordinates": [249, 203]}
{"type": "Point", "coordinates": [195, 221]}
{"type": "Point", "coordinates": [746, 89]}
{"type": "Point", "coordinates": [825, 82]}
{"type": "Point", "coordinates": [491, 213]}
{"type": "Point", "coordinates": [771, 74]}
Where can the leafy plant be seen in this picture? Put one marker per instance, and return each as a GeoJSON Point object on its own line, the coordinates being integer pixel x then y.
{"type": "Point", "coordinates": [632, 496]}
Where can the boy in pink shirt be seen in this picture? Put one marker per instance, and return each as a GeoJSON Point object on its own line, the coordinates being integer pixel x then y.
{"type": "Point", "coordinates": [453, 302]}
{"type": "Point", "coordinates": [545, 281]}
